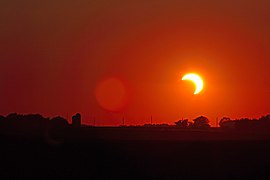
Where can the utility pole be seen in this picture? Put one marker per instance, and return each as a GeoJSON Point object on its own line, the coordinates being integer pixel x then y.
{"type": "Point", "coordinates": [151, 120]}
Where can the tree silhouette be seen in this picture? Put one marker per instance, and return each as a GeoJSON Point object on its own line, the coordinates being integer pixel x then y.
{"type": "Point", "coordinates": [227, 123]}
{"type": "Point", "coordinates": [2, 119]}
{"type": "Point", "coordinates": [201, 122]}
{"type": "Point", "coordinates": [30, 121]}
{"type": "Point", "coordinates": [13, 117]}
{"type": "Point", "coordinates": [2, 122]}
{"type": "Point", "coordinates": [265, 119]}
{"type": "Point", "coordinates": [58, 122]}
{"type": "Point", "coordinates": [264, 123]}
{"type": "Point", "coordinates": [223, 120]}
{"type": "Point", "coordinates": [182, 123]}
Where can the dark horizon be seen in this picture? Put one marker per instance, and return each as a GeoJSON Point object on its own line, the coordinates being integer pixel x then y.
{"type": "Point", "coordinates": [94, 120]}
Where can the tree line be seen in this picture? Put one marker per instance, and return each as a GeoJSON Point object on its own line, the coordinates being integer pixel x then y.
{"type": "Point", "coordinates": [32, 125]}
{"type": "Point", "coordinates": [246, 124]}
{"type": "Point", "coordinates": [16, 121]}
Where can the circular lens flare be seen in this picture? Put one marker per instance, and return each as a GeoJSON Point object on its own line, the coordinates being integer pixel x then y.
{"type": "Point", "coordinates": [111, 94]}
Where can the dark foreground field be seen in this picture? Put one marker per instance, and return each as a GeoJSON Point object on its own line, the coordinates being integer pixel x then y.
{"type": "Point", "coordinates": [101, 158]}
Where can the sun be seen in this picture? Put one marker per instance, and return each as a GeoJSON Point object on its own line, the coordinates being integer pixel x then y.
{"type": "Point", "coordinates": [196, 79]}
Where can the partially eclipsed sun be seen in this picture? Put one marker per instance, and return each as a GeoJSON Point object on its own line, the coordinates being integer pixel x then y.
{"type": "Point", "coordinates": [196, 79]}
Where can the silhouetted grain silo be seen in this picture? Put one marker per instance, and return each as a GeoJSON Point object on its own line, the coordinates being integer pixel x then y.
{"type": "Point", "coordinates": [76, 120]}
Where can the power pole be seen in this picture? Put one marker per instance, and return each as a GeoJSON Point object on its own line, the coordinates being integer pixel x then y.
{"type": "Point", "coordinates": [151, 120]}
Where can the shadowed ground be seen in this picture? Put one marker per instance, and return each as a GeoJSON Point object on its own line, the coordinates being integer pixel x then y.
{"type": "Point", "coordinates": [80, 154]}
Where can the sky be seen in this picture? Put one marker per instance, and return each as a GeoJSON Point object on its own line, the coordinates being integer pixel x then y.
{"type": "Point", "coordinates": [109, 59]}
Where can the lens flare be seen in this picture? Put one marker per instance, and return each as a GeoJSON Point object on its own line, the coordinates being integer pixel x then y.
{"type": "Point", "coordinates": [111, 94]}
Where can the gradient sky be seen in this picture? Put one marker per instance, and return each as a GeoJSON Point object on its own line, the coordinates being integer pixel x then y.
{"type": "Point", "coordinates": [55, 54]}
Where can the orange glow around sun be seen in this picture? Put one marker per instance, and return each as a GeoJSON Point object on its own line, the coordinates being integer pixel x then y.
{"type": "Point", "coordinates": [111, 94]}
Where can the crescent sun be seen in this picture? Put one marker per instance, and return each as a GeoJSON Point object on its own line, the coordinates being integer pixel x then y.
{"type": "Point", "coordinates": [196, 79]}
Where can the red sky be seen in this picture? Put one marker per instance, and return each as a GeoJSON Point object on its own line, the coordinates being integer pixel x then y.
{"type": "Point", "coordinates": [54, 55]}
